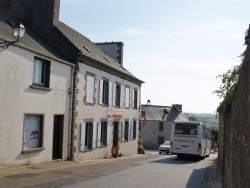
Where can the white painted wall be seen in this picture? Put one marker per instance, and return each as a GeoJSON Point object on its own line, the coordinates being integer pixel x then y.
{"type": "Point", "coordinates": [17, 99]}
{"type": "Point", "coordinates": [97, 112]}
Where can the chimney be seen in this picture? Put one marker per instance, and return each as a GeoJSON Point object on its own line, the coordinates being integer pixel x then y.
{"type": "Point", "coordinates": [40, 14]}
{"type": "Point", "coordinates": [177, 107]}
{"type": "Point", "coordinates": [113, 49]}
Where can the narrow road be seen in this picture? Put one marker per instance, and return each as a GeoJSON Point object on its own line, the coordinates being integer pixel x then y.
{"type": "Point", "coordinates": [149, 170]}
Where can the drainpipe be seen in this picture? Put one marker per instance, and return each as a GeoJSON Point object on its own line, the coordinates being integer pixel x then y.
{"type": "Point", "coordinates": [70, 111]}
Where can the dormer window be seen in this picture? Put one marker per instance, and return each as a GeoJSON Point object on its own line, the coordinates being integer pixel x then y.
{"type": "Point", "coordinates": [86, 48]}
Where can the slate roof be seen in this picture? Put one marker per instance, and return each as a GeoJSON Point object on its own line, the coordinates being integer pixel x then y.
{"type": "Point", "coordinates": [162, 113]}
{"type": "Point", "coordinates": [31, 40]}
{"type": "Point", "coordinates": [92, 51]}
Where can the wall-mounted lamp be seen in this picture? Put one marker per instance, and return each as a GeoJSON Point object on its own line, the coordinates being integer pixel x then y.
{"type": "Point", "coordinates": [18, 32]}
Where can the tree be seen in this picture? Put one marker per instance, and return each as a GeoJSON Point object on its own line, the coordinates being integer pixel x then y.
{"type": "Point", "coordinates": [192, 118]}
{"type": "Point", "coordinates": [227, 89]}
{"type": "Point", "coordinates": [215, 132]}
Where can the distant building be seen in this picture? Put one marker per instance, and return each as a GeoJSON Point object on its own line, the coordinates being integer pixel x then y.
{"type": "Point", "coordinates": [158, 124]}
{"type": "Point", "coordinates": [113, 49]}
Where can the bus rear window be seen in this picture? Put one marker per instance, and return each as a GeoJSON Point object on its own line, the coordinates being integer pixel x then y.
{"type": "Point", "coordinates": [185, 128]}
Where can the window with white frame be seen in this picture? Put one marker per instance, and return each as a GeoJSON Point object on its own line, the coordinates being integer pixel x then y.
{"type": "Point", "coordinates": [41, 72]}
{"type": "Point", "coordinates": [126, 130]}
{"type": "Point", "coordinates": [105, 92]}
{"type": "Point", "coordinates": [127, 97]}
{"type": "Point", "coordinates": [33, 131]}
{"type": "Point", "coordinates": [134, 129]}
{"type": "Point", "coordinates": [90, 85]}
{"type": "Point", "coordinates": [88, 135]}
{"type": "Point", "coordinates": [104, 131]}
{"type": "Point", "coordinates": [135, 98]}
{"type": "Point", "coordinates": [117, 95]}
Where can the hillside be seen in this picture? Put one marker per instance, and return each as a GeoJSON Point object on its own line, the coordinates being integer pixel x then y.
{"type": "Point", "coordinates": [208, 119]}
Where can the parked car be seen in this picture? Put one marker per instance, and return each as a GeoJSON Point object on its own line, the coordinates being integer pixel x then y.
{"type": "Point", "coordinates": [165, 147]}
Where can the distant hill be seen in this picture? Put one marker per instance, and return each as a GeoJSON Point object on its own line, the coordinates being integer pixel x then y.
{"type": "Point", "coordinates": [208, 119]}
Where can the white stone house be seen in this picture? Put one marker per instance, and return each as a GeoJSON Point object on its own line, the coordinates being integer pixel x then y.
{"type": "Point", "coordinates": [34, 100]}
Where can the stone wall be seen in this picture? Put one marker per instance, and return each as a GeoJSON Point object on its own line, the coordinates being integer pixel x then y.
{"type": "Point", "coordinates": [235, 151]}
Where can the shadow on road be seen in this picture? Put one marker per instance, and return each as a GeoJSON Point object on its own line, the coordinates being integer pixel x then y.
{"type": "Point", "coordinates": [177, 161]}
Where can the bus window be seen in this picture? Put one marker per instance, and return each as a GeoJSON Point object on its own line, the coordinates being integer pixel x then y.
{"type": "Point", "coordinates": [186, 129]}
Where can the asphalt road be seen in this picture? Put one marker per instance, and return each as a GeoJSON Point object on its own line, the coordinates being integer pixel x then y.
{"type": "Point", "coordinates": [149, 170]}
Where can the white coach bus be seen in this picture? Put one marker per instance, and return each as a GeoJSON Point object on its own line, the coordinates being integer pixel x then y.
{"type": "Point", "coordinates": [190, 138]}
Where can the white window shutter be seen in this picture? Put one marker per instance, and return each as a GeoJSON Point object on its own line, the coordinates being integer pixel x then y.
{"type": "Point", "coordinates": [133, 98]}
{"type": "Point", "coordinates": [100, 91]}
{"type": "Point", "coordinates": [108, 132]}
{"type": "Point", "coordinates": [90, 89]}
{"type": "Point", "coordinates": [82, 136]}
{"type": "Point", "coordinates": [114, 93]}
{"type": "Point", "coordinates": [122, 130]}
{"type": "Point", "coordinates": [99, 124]}
{"type": "Point", "coordinates": [110, 93]}
{"type": "Point", "coordinates": [122, 96]}
{"type": "Point", "coordinates": [138, 98]}
{"type": "Point", "coordinates": [131, 130]}
{"type": "Point", "coordinates": [94, 135]}
{"type": "Point", "coordinates": [127, 97]}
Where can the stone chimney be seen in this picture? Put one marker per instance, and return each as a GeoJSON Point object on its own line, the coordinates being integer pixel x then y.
{"type": "Point", "coordinates": [177, 107]}
{"type": "Point", "coordinates": [40, 14]}
{"type": "Point", "coordinates": [43, 17]}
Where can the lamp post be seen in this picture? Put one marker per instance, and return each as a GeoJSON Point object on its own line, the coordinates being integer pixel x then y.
{"type": "Point", "coordinates": [18, 32]}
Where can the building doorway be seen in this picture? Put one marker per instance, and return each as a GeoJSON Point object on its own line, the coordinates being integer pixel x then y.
{"type": "Point", "coordinates": [58, 137]}
{"type": "Point", "coordinates": [115, 134]}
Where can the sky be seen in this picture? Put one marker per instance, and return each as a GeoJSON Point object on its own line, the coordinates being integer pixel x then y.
{"type": "Point", "coordinates": [177, 47]}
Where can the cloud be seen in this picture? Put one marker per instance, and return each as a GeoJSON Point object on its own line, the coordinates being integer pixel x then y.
{"type": "Point", "coordinates": [133, 32]}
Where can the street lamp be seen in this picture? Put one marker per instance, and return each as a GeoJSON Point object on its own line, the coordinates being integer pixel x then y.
{"type": "Point", "coordinates": [18, 32]}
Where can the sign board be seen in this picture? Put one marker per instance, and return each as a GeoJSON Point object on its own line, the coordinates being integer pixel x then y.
{"type": "Point", "coordinates": [114, 114]}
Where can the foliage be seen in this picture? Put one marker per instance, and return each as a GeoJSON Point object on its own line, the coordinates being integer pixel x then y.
{"type": "Point", "coordinates": [227, 89]}
{"type": "Point", "coordinates": [215, 132]}
{"type": "Point", "coordinates": [140, 140]}
{"type": "Point", "coordinates": [192, 118]}
{"type": "Point", "coordinates": [208, 119]}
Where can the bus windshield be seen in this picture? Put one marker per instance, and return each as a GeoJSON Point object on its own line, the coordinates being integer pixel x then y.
{"type": "Point", "coordinates": [185, 129]}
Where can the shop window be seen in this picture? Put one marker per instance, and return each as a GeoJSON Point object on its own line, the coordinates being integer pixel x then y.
{"type": "Point", "coordinates": [33, 132]}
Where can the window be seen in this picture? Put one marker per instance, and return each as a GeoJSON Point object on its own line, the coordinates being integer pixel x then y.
{"type": "Point", "coordinates": [127, 97]}
{"type": "Point", "coordinates": [90, 89]}
{"type": "Point", "coordinates": [104, 129]}
{"type": "Point", "coordinates": [134, 129]}
{"type": "Point", "coordinates": [41, 72]}
{"type": "Point", "coordinates": [135, 99]}
{"type": "Point", "coordinates": [126, 130]}
{"type": "Point", "coordinates": [105, 92]}
{"type": "Point", "coordinates": [88, 135]}
{"type": "Point", "coordinates": [117, 95]}
{"type": "Point", "coordinates": [33, 131]}
{"type": "Point", "coordinates": [160, 126]}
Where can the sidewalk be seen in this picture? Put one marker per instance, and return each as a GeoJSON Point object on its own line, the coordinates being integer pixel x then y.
{"type": "Point", "coordinates": [212, 177]}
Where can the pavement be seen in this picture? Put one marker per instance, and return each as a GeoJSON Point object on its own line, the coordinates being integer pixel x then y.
{"type": "Point", "coordinates": [212, 178]}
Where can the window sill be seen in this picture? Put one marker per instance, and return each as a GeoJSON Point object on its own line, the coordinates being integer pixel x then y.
{"type": "Point", "coordinates": [40, 87]}
{"type": "Point", "coordinates": [90, 104]}
{"type": "Point", "coordinates": [32, 150]}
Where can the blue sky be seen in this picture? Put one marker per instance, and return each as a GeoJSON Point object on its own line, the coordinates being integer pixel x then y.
{"type": "Point", "coordinates": [177, 47]}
